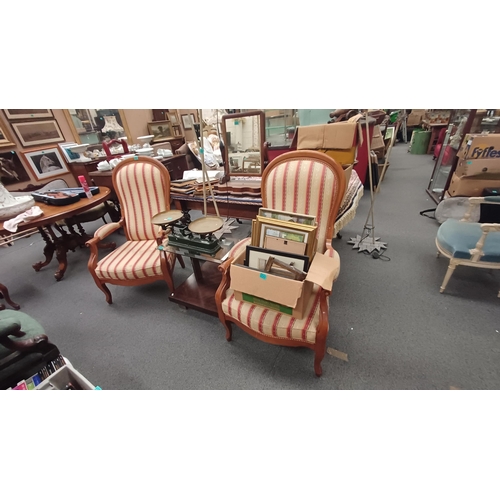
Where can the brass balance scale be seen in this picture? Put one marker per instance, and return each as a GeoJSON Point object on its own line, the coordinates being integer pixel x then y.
{"type": "Point", "coordinates": [195, 236]}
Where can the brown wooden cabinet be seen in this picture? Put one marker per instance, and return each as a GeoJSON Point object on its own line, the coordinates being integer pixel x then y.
{"type": "Point", "coordinates": [160, 115]}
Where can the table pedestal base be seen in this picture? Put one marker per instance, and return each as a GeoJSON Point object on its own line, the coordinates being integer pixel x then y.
{"type": "Point", "coordinates": [198, 291]}
{"type": "Point", "coordinates": [60, 245]}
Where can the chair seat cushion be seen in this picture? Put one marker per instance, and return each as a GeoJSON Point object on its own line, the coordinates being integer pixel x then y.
{"type": "Point", "coordinates": [458, 238]}
{"type": "Point", "coordinates": [133, 260]}
{"type": "Point", "coordinates": [273, 323]}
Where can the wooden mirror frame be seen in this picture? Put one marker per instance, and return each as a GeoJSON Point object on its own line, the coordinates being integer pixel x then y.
{"type": "Point", "coordinates": [76, 135]}
{"type": "Point", "coordinates": [262, 127]}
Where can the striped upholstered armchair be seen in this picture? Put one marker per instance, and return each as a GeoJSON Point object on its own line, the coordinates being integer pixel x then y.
{"type": "Point", "coordinates": [143, 189]}
{"type": "Point", "coordinates": [306, 182]}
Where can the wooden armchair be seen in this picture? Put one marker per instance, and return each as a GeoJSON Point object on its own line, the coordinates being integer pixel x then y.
{"type": "Point", "coordinates": [143, 189]}
{"type": "Point", "coordinates": [306, 182]}
{"type": "Point", "coordinates": [469, 243]}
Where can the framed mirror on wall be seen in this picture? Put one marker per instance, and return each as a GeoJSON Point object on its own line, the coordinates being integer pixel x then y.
{"type": "Point", "coordinates": [244, 136]}
{"type": "Point", "coordinates": [93, 126]}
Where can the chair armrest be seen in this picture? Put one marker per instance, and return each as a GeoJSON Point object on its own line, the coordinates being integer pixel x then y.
{"type": "Point", "coordinates": [12, 328]}
{"type": "Point", "coordinates": [477, 252]}
{"type": "Point", "coordinates": [479, 200]}
{"type": "Point", "coordinates": [332, 253]}
{"type": "Point", "coordinates": [104, 231]}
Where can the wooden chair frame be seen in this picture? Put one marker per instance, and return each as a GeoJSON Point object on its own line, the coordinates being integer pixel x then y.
{"type": "Point", "coordinates": [319, 347]}
{"type": "Point", "coordinates": [110, 228]}
{"type": "Point", "coordinates": [477, 252]}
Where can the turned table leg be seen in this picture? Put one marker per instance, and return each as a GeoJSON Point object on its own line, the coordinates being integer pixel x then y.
{"type": "Point", "coordinates": [48, 250]}
{"type": "Point", "coordinates": [5, 294]}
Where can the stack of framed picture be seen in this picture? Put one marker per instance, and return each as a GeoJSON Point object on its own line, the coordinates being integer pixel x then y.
{"type": "Point", "coordinates": [283, 238]}
{"type": "Point", "coordinates": [162, 130]}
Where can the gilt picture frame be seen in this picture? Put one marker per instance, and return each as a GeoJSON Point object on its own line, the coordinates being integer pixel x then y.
{"type": "Point", "coordinates": [161, 131]}
{"type": "Point", "coordinates": [38, 132]}
{"type": "Point", "coordinates": [23, 114]}
{"type": "Point", "coordinates": [6, 140]}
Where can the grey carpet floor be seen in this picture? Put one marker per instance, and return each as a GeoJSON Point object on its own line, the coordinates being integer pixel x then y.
{"type": "Point", "coordinates": [399, 332]}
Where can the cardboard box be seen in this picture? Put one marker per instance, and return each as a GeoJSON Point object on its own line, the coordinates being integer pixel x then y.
{"type": "Point", "coordinates": [415, 118]}
{"type": "Point", "coordinates": [480, 147]}
{"type": "Point", "coordinates": [477, 167]}
{"type": "Point", "coordinates": [338, 140]}
{"type": "Point", "coordinates": [473, 185]}
{"type": "Point", "coordinates": [377, 141]}
{"type": "Point", "coordinates": [287, 295]}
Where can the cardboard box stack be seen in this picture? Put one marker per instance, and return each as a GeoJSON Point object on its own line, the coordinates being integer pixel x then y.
{"type": "Point", "coordinates": [338, 140]}
{"type": "Point", "coordinates": [478, 165]}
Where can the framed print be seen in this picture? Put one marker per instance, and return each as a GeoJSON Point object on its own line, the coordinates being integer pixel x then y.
{"type": "Point", "coordinates": [186, 122]}
{"type": "Point", "coordinates": [309, 220]}
{"type": "Point", "coordinates": [5, 139]}
{"type": "Point", "coordinates": [172, 116]}
{"type": "Point", "coordinates": [257, 258]}
{"type": "Point", "coordinates": [23, 114]}
{"type": "Point", "coordinates": [68, 155]}
{"type": "Point", "coordinates": [161, 131]}
{"type": "Point", "coordinates": [46, 163]}
{"type": "Point", "coordinates": [12, 170]}
{"type": "Point", "coordinates": [284, 236]}
{"type": "Point", "coordinates": [36, 133]}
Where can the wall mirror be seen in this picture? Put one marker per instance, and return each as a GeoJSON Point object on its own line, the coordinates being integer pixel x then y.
{"type": "Point", "coordinates": [93, 126]}
{"type": "Point", "coordinates": [244, 135]}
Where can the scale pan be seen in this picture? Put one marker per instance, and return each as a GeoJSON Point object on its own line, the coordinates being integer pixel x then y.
{"type": "Point", "coordinates": [167, 218]}
{"type": "Point", "coordinates": [206, 225]}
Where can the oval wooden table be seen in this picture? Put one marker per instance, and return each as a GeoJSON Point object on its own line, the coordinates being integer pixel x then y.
{"type": "Point", "coordinates": [68, 239]}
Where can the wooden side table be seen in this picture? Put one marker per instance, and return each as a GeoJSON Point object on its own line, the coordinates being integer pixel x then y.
{"type": "Point", "coordinates": [434, 128]}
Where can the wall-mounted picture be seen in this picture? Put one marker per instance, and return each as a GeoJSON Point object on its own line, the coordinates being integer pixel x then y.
{"type": "Point", "coordinates": [5, 139]}
{"type": "Point", "coordinates": [162, 131]}
{"type": "Point", "coordinates": [36, 133]}
{"type": "Point", "coordinates": [46, 163]}
{"type": "Point", "coordinates": [69, 156]}
{"type": "Point", "coordinates": [22, 114]}
{"type": "Point", "coordinates": [186, 122]}
{"type": "Point", "coordinates": [12, 170]}
{"type": "Point", "coordinates": [172, 116]}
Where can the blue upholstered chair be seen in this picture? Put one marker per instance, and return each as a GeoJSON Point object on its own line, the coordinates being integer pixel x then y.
{"type": "Point", "coordinates": [470, 243]}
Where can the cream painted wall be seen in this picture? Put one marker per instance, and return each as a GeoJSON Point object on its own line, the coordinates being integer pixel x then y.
{"type": "Point", "coordinates": [137, 120]}
{"type": "Point", "coordinates": [68, 136]}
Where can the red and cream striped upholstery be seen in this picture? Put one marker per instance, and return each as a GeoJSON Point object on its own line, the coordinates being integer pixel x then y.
{"type": "Point", "coordinates": [273, 323]}
{"type": "Point", "coordinates": [304, 187]}
{"type": "Point", "coordinates": [141, 198]}
{"type": "Point", "coordinates": [133, 260]}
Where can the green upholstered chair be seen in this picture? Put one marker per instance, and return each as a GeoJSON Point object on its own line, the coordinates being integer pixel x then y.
{"type": "Point", "coordinates": [470, 243]}
{"type": "Point", "coordinates": [23, 347]}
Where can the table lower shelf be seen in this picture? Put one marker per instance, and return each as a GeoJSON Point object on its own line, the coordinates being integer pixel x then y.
{"type": "Point", "coordinates": [199, 293]}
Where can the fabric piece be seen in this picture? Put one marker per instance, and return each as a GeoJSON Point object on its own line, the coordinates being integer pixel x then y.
{"type": "Point", "coordinates": [458, 238]}
{"type": "Point", "coordinates": [141, 191]}
{"type": "Point", "coordinates": [133, 260]}
{"type": "Point", "coordinates": [304, 187]}
{"type": "Point", "coordinates": [273, 323]}
{"type": "Point", "coordinates": [32, 213]}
